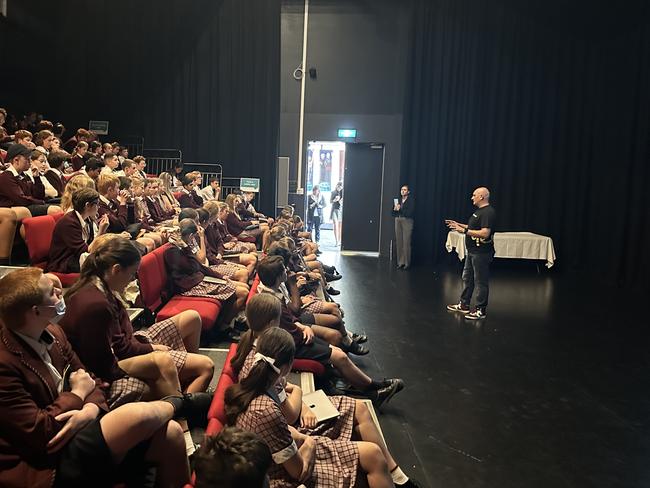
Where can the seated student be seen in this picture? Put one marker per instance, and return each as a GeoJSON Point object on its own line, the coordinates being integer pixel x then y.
{"type": "Point", "coordinates": [165, 356]}
{"type": "Point", "coordinates": [272, 281]}
{"type": "Point", "coordinates": [93, 168]}
{"type": "Point", "coordinates": [39, 168]}
{"type": "Point", "coordinates": [212, 191]}
{"type": "Point", "coordinates": [54, 428]}
{"type": "Point", "coordinates": [77, 159]}
{"type": "Point", "coordinates": [146, 230]}
{"type": "Point", "coordinates": [236, 225]}
{"type": "Point", "coordinates": [177, 176]}
{"type": "Point", "coordinates": [74, 184]}
{"type": "Point", "coordinates": [230, 242]}
{"type": "Point", "coordinates": [215, 242]}
{"type": "Point", "coordinates": [74, 232]}
{"type": "Point", "coordinates": [54, 174]}
{"type": "Point", "coordinates": [140, 166]}
{"type": "Point", "coordinates": [167, 198]}
{"type": "Point", "coordinates": [314, 293]}
{"type": "Point", "coordinates": [236, 272]}
{"type": "Point", "coordinates": [128, 169]}
{"type": "Point", "coordinates": [95, 149]}
{"type": "Point", "coordinates": [141, 211]}
{"type": "Point", "coordinates": [196, 191]}
{"type": "Point", "coordinates": [263, 312]}
{"type": "Point", "coordinates": [186, 199]}
{"type": "Point", "coordinates": [111, 164]}
{"type": "Point", "coordinates": [253, 405]}
{"type": "Point", "coordinates": [158, 213]}
{"type": "Point", "coordinates": [18, 192]}
{"type": "Point", "coordinates": [43, 140]}
{"type": "Point", "coordinates": [81, 135]}
{"type": "Point", "coordinates": [113, 203]}
{"type": "Point", "coordinates": [232, 459]}
{"type": "Point", "coordinates": [23, 137]}
{"type": "Point", "coordinates": [188, 275]}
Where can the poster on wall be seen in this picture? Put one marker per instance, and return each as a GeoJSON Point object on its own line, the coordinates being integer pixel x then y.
{"type": "Point", "coordinates": [325, 170]}
{"type": "Point", "coordinates": [310, 169]}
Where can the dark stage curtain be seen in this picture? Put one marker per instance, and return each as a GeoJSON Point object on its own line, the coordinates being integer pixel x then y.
{"type": "Point", "coordinates": [550, 109]}
{"type": "Point", "coordinates": [201, 76]}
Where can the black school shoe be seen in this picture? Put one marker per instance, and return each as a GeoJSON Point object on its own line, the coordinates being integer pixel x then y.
{"type": "Point", "coordinates": [189, 406]}
{"type": "Point", "coordinates": [333, 291]}
{"type": "Point", "coordinates": [332, 277]}
{"type": "Point", "coordinates": [355, 348]}
{"type": "Point", "coordinates": [385, 393]}
{"type": "Point", "coordinates": [359, 338]}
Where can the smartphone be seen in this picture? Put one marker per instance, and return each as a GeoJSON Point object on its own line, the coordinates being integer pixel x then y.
{"type": "Point", "coordinates": [395, 201]}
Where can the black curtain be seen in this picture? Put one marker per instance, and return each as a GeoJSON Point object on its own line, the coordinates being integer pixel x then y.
{"type": "Point", "coordinates": [549, 107]}
{"type": "Point", "coordinates": [201, 76]}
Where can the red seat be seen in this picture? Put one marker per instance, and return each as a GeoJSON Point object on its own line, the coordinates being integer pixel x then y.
{"type": "Point", "coordinates": [38, 238]}
{"type": "Point", "coordinates": [227, 367]}
{"type": "Point", "coordinates": [152, 276]}
{"type": "Point", "coordinates": [214, 427]}
{"type": "Point", "coordinates": [217, 407]}
{"type": "Point", "coordinates": [57, 216]}
{"type": "Point", "coordinates": [253, 290]}
{"type": "Point", "coordinates": [177, 195]}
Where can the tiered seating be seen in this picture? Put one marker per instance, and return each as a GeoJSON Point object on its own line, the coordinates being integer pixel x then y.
{"type": "Point", "coordinates": [38, 238]}
{"type": "Point", "coordinates": [155, 295]}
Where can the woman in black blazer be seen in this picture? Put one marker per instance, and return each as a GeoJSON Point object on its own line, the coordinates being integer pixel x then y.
{"type": "Point", "coordinates": [403, 211]}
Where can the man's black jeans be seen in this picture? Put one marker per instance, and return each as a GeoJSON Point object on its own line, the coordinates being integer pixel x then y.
{"type": "Point", "coordinates": [476, 273]}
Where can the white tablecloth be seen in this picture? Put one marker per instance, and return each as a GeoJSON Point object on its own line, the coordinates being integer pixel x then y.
{"type": "Point", "coordinates": [514, 245]}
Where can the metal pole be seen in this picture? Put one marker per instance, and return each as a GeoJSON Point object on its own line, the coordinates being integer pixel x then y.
{"type": "Point", "coordinates": [303, 81]}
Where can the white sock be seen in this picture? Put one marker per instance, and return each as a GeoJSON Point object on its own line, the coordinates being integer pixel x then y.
{"type": "Point", "coordinates": [399, 478]}
{"type": "Point", "coordinates": [189, 443]}
{"type": "Point", "coordinates": [346, 340]}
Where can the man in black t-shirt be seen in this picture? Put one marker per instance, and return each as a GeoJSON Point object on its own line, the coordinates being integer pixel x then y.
{"type": "Point", "coordinates": [479, 232]}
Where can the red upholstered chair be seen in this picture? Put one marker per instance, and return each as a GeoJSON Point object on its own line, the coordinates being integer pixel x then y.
{"type": "Point", "coordinates": [38, 238]}
{"type": "Point", "coordinates": [57, 216]}
{"type": "Point", "coordinates": [152, 277]}
{"type": "Point", "coordinates": [253, 290]}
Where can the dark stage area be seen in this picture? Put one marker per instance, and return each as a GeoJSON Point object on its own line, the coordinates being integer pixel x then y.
{"type": "Point", "coordinates": [551, 390]}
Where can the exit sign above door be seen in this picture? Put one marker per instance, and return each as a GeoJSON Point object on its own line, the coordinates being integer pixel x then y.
{"type": "Point", "coordinates": [347, 133]}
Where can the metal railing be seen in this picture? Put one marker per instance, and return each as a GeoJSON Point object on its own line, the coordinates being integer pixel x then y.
{"type": "Point", "coordinates": [208, 170]}
{"type": "Point", "coordinates": [161, 160]}
{"type": "Point", "coordinates": [135, 144]}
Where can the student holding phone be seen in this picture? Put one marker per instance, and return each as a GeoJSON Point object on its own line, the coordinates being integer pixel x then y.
{"type": "Point", "coordinates": [403, 211]}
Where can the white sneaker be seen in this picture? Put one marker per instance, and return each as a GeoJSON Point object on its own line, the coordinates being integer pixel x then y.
{"type": "Point", "coordinates": [458, 307]}
{"type": "Point", "coordinates": [476, 315]}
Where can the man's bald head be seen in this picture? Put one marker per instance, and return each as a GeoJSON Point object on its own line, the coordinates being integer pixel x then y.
{"type": "Point", "coordinates": [481, 196]}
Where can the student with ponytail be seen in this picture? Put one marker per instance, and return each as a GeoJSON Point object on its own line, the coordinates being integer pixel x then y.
{"type": "Point", "coordinates": [164, 357]}
{"type": "Point", "coordinates": [263, 313]}
{"type": "Point", "coordinates": [253, 405]}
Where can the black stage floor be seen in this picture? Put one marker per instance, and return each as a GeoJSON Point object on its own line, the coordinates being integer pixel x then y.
{"type": "Point", "coordinates": [551, 390]}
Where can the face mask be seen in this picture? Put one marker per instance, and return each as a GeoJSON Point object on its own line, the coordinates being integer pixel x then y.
{"type": "Point", "coordinates": [59, 310]}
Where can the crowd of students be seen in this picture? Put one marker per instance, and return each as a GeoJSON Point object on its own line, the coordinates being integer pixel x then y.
{"type": "Point", "coordinates": [87, 399]}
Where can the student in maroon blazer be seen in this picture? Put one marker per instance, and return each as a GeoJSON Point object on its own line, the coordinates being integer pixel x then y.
{"type": "Point", "coordinates": [74, 232]}
{"type": "Point", "coordinates": [55, 428]}
{"type": "Point", "coordinates": [113, 203]}
{"type": "Point", "coordinates": [54, 175]}
{"type": "Point", "coordinates": [186, 199]}
{"type": "Point", "coordinates": [17, 191]}
{"type": "Point", "coordinates": [156, 210]}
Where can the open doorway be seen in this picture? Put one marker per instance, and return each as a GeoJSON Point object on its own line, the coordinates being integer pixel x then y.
{"type": "Point", "coordinates": [326, 168]}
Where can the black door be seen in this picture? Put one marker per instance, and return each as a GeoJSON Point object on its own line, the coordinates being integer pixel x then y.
{"type": "Point", "coordinates": [362, 197]}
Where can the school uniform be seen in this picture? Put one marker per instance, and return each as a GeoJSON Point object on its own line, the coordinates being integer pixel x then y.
{"type": "Point", "coordinates": [71, 237]}
{"type": "Point", "coordinates": [18, 190]}
{"type": "Point", "coordinates": [336, 460]}
{"type": "Point", "coordinates": [31, 374]}
{"type": "Point", "coordinates": [186, 275]}
{"type": "Point", "coordinates": [186, 200]}
{"type": "Point", "coordinates": [118, 215]}
{"type": "Point", "coordinates": [56, 179]}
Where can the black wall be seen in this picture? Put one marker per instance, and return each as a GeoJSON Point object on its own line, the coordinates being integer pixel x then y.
{"type": "Point", "coordinates": [358, 48]}
{"type": "Point", "coordinates": [200, 76]}
{"type": "Point", "coordinates": [549, 106]}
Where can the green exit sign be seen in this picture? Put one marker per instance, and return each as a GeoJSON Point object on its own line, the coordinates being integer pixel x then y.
{"type": "Point", "coordinates": [347, 133]}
